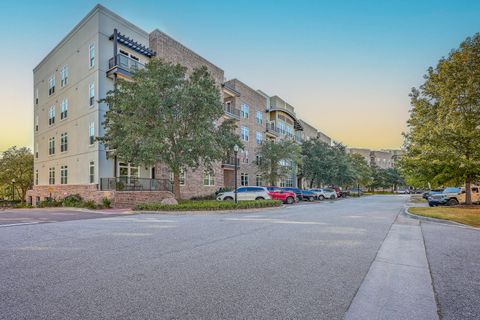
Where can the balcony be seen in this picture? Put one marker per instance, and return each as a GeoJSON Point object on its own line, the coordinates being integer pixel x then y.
{"type": "Point", "coordinates": [123, 66]}
{"type": "Point", "coordinates": [229, 163]}
{"type": "Point", "coordinates": [272, 129]}
{"type": "Point", "coordinates": [135, 184]}
{"type": "Point", "coordinates": [231, 111]}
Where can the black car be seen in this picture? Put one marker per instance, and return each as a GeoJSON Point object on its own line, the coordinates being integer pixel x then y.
{"type": "Point", "coordinates": [301, 194]}
{"type": "Point", "coordinates": [427, 194]}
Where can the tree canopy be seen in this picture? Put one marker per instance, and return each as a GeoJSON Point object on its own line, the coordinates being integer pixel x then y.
{"type": "Point", "coordinates": [444, 126]}
{"type": "Point", "coordinates": [17, 164]}
{"type": "Point", "coordinates": [165, 115]}
{"type": "Point", "coordinates": [278, 158]}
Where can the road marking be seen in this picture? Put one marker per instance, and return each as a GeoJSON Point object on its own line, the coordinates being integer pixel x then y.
{"type": "Point", "coordinates": [19, 224]}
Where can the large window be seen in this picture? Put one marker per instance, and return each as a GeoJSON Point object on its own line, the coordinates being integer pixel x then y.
{"type": "Point", "coordinates": [128, 170]}
{"type": "Point", "coordinates": [36, 177]}
{"type": "Point", "coordinates": [183, 177]}
{"type": "Point", "coordinates": [244, 179]}
{"type": "Point", "coordinates": [51, 176]}
{"type": "Point", "coordinates": [64, 109]}
{"type": "Point", "coordinates": [258, 180]}
{"type": "Point", "coordinates": [63, 142]}
{"type": "Point", "coordinates": [286, 182]}
{"type": "Point", "coordinates": [51, 146]}
{"type": "Point", "coordinates": [51, 115]}
{"type": "Point", "coordinates": [36, 150]}
{"type": "Point", "coordinates": [36, 96]}
{"type": "Point", "coordinates": [245, 133]}
{"type": "Point", "coordinates": [208, 178]}
{"type": "Point", "coordinates": [259, 117]}
{"type": "Point", "coordinates": [91, 133]}
{"type": "Point", "coordinates": [245, 111]}
{"type": "Point", "coordinates": [51, 85]}
{"type": "Point", "coordinates": [91, 55]}
{"type": "Point", "coordinates": [259, 137]}
{"type": "Point", "coordinates": [91, 94]}
{"type": "Point", "coordinates": [64, 76]}
{"type": "Point", "coordinates": [91, 172]}
{"type": "Point", "coordinates": [63, 174]}
{"type": "Point", "coordinates": [36, 123]}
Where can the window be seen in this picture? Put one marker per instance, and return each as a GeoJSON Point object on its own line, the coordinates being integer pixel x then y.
{"type": "Point", "coordinates": [64, 109]}
{"type": "Point", "coordinates": [91, 55]}
{"type": "Point", "coordinates": [258, 180]}
{"type": "Point", "coordinates": [128, 170]}
{"type": "Point", "coordinates": [258, 160]}
{"type": "Point", "coordinates": [51, 85]}
{"type": "Point", "coordinates": [259, 117]}
{"type": "Point", "coordinates": [91, 94]}
{"type": "Point", "coordinates": [36, 123]}
{"type": "Point", "coordinates": [259, 137]}
{"type": "Point", "coordinates": [63, 142]}
{"type": "Point", "coordinates": [91, 172]}
{"type": "Point", "coordinates": [36, 150]}
{"type": "Point", "coordinates": [182, 177]}
{"type": "Point", "coordinates": [245, 111]}
{"type": "Point", "coordinates": [64, 76]}
{"type": "Point", "coordinates": [244, 179]}
{"type": "Point", "coordinates": [286, 183]}
{"type": "Point", "coordinates": [91, 133]}
{"type": "Point", "coordinates": [51, 146]}
{"type": "Point", "coordinates": [244, 133]}
{"type": "Point", "coordinates": [63, 174]}
{"type": "Point", "coordinates": [51, 176]}
{"type": "Point", "coordinates": [51, 115]}
{"type": "Point", "coordinates": [208, 178]}
{"type": "Point", "coordinates": [36, 177]}
{"type": "Point", "coordinates": [36, 96]}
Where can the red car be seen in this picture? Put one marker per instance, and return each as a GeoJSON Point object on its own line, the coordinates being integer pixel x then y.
{"type": "Point", "coordinates": [282, 195]}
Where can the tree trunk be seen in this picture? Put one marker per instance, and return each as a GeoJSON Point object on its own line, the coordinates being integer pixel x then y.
{"type": "Point", "coordinates": [311, 184]}
{"type": "Point", "coordinates": [176, 184]}
{"type": "Point", "coordinates": [468, 190]}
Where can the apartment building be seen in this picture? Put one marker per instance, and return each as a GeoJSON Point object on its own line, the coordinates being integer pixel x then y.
{"type": "Point", "coordinates": [310, 132]}
{"type": "Point", "coordinates": [384, 159]}
{"type": "Point", "coordinates": [84, 66]}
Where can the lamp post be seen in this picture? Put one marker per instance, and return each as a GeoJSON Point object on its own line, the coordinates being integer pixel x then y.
{"type": "Point", "coordinates": [235, 153]}
{"type": "Point", "coordinates": [13, 190]}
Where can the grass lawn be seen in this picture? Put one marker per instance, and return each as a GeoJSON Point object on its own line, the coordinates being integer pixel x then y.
{"type": "Point", "coordinates": [468, 216]}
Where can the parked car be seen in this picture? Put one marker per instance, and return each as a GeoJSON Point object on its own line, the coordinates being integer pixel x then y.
{"type": "Point", "coordinates": [278, 194]}
{"type": "Point", "coordinates": [427, 194]}
{"type": "Point", "coordinates": [355, 191]}
{"type": "Point", "coordinates": [323, 194]}
{"type": "Point", "coordinates": [402, 191]}
{"type": "Point", "coordinates": [452, 196]}
{"type": "Point", "coordinates": [301, 194]}
{"type": "Point", "coordinates": [246, 193]}
{"type": "Point", "coordinates": [339, 192]}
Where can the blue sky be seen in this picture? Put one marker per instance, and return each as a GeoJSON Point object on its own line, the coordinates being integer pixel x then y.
{"type": "Point", "coordinates": [346, 66]}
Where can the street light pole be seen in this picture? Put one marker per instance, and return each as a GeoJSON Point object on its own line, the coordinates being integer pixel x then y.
{"type": "Point", "coordinates": [235, 152]}
{"type": "Point", "coordinates": [13, 190]}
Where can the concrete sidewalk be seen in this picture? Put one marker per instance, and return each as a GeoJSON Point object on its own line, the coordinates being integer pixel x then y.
{"type": "Point", "coordinates": [398, 284]}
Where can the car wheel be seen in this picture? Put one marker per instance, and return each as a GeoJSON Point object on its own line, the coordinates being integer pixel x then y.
{"type": "Point", "coordinates": [259, 198]}
{"type": "Point", "coordinates": [290, 200]}
{"type": "Point", "coordinates": [228, 199]}
{"type": "Point", "coordinates": [321, 197]}
{"type": "Point", "coordinates": [310, 199]}
{"type": "Point", "coordinates": [452, 202]}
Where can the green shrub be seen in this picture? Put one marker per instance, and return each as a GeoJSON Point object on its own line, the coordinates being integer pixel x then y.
{"type": "Point", "coordinates": [22, 205]}
{"type": "Point", "coordinates": [207, 205]}
{"type": "Point", "coordinates": [49, 203]}
{"type": "Point", "coordinates": [212, 196]}
{"type": "Point", "coordinates": [106, 203]}
{"type": "Point", "coordinates": [73, 200]}
{"type": "Point", "coordinates": [90, 204]}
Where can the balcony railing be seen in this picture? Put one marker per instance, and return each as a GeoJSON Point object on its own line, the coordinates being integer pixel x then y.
{"type": "Point", "coordinates": [135, 184]}
{"type": "Point", "coordinates": [231, 111]}
{"type": "Point", "coordinates": [229, 162]}
{"type": "Point", "coordinates": [271, 128]}
{"type": "Point", "coordinates": [125, 63]}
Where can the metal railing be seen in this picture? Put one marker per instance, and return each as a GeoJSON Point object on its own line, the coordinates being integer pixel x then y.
{"type": "Point", "coordinates": [231, 111]}
{"type": "Point", "coordinates": [230, 162]}
{"type": "Point", "coordinates": [135, 184]}
{"type": "Point", "coordinates": [270, 127]}
{"type": "Point", "coordinates": [124, 62]}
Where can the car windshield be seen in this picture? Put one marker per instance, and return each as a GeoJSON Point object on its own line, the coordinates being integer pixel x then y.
{"type": "Point", "coordinates": [451, 190]}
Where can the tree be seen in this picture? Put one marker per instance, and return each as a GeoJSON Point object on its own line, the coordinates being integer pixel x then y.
{"type": "Point", "coordinates": [344, 173]}
{"type": "Point", "coordinates": [17, 164]}
{"type": "Point", "coordinates": [444, 125]}
{"type": "Point", "coordinates": [361, 168]}
{"type": "Point", "coordinates": [165, 116]}
{"type": "Point", "coordinates": [277, 159]}
{"type": "Point", "coordinates": [318, 162]}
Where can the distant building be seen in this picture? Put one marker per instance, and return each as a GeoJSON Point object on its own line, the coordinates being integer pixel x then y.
{"type": "Point", "coordinates": [381, 158]}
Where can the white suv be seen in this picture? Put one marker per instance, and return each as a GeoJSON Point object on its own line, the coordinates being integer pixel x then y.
{"type": "Point", "coordinates": [246, 193]}
{"type": "Point", "coordinates": [323, 194]}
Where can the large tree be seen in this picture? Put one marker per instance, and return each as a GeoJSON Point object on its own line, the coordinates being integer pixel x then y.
{"type": "Point", "coordinates": [17, 164]}
{"type": "Point", "coordinates": [277, 159]}
{"type": "Point", "coordinates": [318, 162]}
{"type": "Point", "coordinates": [361, 168]}
{"type": "Point", "coordinates": [166, 115]}
{"type": "Point", "coordinates": [444, 124]}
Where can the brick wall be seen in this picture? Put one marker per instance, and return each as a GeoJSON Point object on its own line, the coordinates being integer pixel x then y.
{"type": "Point", "coordinates": [120, 199]}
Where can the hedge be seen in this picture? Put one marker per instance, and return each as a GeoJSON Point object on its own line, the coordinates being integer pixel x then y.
{"type": "Point", "coordinates": [207, 205]}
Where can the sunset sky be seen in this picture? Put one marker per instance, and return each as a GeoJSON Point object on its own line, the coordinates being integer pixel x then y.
{"type": "Point", "coordinates": [346, 66]}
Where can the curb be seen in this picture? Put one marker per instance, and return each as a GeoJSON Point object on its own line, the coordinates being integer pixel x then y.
{"type": "Point", "coordinates": [435, 220]}
{"type": "Point", "coordinates": [208, 212]}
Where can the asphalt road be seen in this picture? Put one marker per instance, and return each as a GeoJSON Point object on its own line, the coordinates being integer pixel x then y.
{"type": "Point", "coordinates": [301, 262]}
